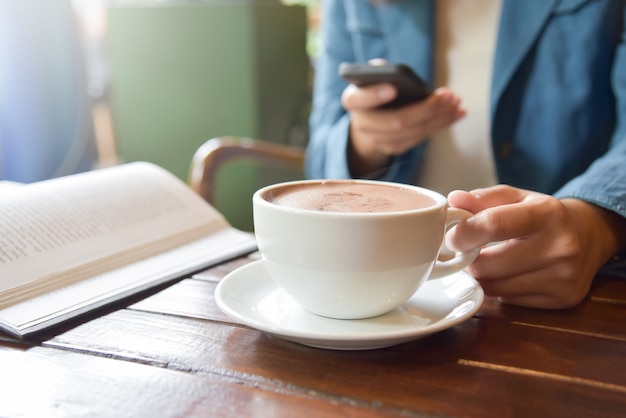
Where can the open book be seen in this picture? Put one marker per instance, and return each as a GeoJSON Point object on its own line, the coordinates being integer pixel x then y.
{"type": "Point", "coordinates": [76, 243]}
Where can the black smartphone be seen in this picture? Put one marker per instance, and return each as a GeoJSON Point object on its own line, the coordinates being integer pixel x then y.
{"type": "Point", "coordinates": [411, 87]}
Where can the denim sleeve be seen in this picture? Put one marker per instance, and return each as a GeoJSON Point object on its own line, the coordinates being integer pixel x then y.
{"type": "Point", "coordinates": [349, 33]}
{"type": "Point", "coordinates": [329, 123]}
{"type": "Point", "coordinates": [604, 182]}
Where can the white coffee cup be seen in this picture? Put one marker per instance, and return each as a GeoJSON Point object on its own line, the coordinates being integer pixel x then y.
{"type": "Point", "coordinates": [354, 258]}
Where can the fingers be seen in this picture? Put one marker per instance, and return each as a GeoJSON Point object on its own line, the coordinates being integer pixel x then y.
{"type": "Point", "coordinates": [442, 102]}
{"type": "Point", "coordinates": [541, 260]}
{"type": "Point", "coordinates": [481, 199]}
{"type": "Point", "coordinates": [528, 273]}
{"type": "Point", "coordinates": [393, 132]}
{"type": "Point", "coordinates": [501, 213]}
{"type": "Point", "coordinates": [369, 97]}
{"type": "Point", "coordinates": [550, 249]}
{"type": "Point", "coordinates": [549, 288]}
{"type": "Point", "coordinates": [519, 256]}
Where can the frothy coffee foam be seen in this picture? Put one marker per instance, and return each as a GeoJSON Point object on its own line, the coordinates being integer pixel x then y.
{"type": "Point", "coordinates": [347, 196]}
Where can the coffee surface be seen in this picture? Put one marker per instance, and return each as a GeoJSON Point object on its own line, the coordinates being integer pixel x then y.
{"type": "Point", "coordinates": [346, 196]}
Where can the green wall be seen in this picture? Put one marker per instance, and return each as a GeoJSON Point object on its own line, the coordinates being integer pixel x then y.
{"type": "Point", "coordinates": [184, 73]}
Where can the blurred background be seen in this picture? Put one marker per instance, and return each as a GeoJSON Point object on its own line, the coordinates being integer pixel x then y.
{"type": "Point", "coordinates": [92, 83]}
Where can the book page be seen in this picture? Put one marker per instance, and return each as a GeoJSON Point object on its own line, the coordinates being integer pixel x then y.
{"type": "Point", "coordinates": [7, 186]}
{"type": "Point", "coordinates": [53, 307]}
{"type": "Point", "coordinates": [56, 225]}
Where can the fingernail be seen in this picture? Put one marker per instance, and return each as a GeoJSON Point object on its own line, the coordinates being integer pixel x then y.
{"type": "Point", "coordinates": [446, 96]}
{"type": "Point", "coordinates": [385, 92]}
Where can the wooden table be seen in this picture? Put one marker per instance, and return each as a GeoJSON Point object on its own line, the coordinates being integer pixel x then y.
{"type": "Point", "coordinates": [173, 353]}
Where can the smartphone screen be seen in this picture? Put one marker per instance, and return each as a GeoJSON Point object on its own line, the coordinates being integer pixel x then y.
{"type": "Point", "coordinates": [411, 87]}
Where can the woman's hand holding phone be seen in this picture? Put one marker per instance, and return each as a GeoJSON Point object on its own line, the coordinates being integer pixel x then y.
{"type": "Point", "coordinates": [409, 86]}
{"type": "Point", "coordinates": [379, 132]}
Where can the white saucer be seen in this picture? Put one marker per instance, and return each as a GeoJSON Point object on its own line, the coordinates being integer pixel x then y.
{"type": "Point", "coordinates": [249, 296]}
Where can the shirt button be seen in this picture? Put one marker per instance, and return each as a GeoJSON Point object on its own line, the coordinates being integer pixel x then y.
{"type": "Point", "coordinates": [505, 150]}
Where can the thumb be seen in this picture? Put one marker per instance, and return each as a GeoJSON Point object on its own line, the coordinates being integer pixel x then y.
{"type": "Point", "coordinates": [367, 97]}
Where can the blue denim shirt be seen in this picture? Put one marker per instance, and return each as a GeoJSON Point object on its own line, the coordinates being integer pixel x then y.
{"type": "Point", "coordinates": [558, 94]}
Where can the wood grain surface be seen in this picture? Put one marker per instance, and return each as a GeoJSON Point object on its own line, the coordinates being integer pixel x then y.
{"type": "Point", "coordinates": [173, 353]}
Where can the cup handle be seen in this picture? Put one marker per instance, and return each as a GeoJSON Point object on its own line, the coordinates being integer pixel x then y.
{"type": "Point", "coordinates": [461, 259]}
